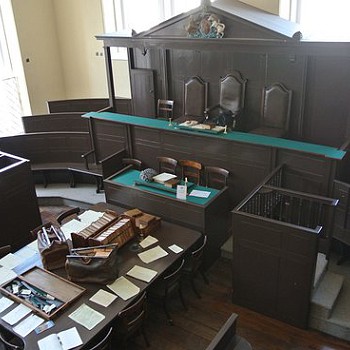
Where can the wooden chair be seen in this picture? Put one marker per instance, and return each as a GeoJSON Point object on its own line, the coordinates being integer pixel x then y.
{"type": "Point", "coordinates": [131, 321]}
{"type": "Point", "coordinates": [10, 341]}
{"type": "Point", "coordinates": [70, 212]}
{"type": "Point", "coordinates": [192, 170]}
{"type": "Point", "coordinates": [193, 266]}
{"type": "Point", "coordinates": [136, 163]}
{"type": "Point", "coordinates": [167, 165]}
{"type": "Point", "coordinates": [105, 343]}
{"type": "Point", "coordinates": [4, 250]}
{"type": "Point", "coordinates": [216, 177]}
{"type": "Point", "coordinates": [275, 111]}
{"type": "Point", "coordinates": [167, 286]}
{"type": "Point", "coordinates": [165, 109]}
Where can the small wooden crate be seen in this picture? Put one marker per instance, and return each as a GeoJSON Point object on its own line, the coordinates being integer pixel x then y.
{"type": "Point", "coordinates": [145, 224]}
{"type": "Point", "coordinates": [61, 289]}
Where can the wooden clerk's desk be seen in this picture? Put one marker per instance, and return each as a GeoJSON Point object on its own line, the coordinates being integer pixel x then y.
{"type": "Point", "coordinates": [167, 235]}
{"type": "Point", "coordinates": [249, 157]}
{"type": "Point", "coordinates": [207, 215]}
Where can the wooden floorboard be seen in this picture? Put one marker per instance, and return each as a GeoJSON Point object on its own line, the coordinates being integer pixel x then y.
{"type": "Point", "coordinates": [193, 329]}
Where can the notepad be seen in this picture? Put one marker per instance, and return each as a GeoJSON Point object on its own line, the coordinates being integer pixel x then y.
{"type": "Point", "coordinates": [64, 340]}
{"type": "Point", "coordinates": [142, 273]}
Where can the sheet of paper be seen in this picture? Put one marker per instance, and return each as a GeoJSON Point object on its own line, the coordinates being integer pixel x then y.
{"type": "Point", "coordinates": [70, 338]}
{"type": "Point", "coordinates": [152, 254]}
{"type": "Point", "coordinates": [16, 314]}
{"type": "Point", "coordinates": [200, 194]}
{"type": "Point", "coordinates": [33, 246]}
{"type": "Point", "coordinates": [175, 248]}
{"type": "Point", "coordinates": [64, 340]}
{"type": "Point", "coordinates": [6, 274]}
{"type": "Point", "coordinates": [181, 192]}
{"type": "Point", "coordinates": [103, 298]}
{"type": "Point", "coordinates": [142, 273]}
{"type": "Point", "coordinates": [26, 252]}
{"type": "Point", "coordinates": [11, 261]}
{"type": "Point", "coordinates": [86, 316]}
{"type": "Point", "coordinates": [89, 216]}
{"type": "Point", "coordinates": [124, 288]}
{"type": "Point", "coordinates": [28, 325]}
{"type": "Point", "coordinates": [73, 226]}
{"type": "Point", "coordinates": [149, 240]}
{"type": "Point", "coordinates": [5, 303]}
{"type": "Point", "coordinates": [51, 342]}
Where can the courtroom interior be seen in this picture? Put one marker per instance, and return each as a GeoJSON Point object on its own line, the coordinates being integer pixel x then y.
{"type": "Point", "coordinates": [174, 174]}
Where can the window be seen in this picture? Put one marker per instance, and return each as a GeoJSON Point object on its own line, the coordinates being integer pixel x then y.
{"type": "Point", "coordinates": [319, 19]}
{"type": "Point", "coordinates": [120, 15]}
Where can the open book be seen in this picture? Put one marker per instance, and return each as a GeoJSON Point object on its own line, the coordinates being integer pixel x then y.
{"type": "Point", "coordinates": [64, 340]}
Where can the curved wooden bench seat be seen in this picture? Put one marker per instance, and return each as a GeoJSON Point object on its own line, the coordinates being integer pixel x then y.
{"type": "Point", "coordinates": [70, 121]}
{"type": "Point", "coordinates": [61, 151]}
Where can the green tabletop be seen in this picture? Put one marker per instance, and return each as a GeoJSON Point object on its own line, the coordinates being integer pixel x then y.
{"type": "Point", "coordinates": [128, 178]}
{"type": "Point", "coordinates": [325, 151]}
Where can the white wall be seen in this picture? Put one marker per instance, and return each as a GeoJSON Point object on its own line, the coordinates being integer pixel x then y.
{"type": "Point", "coordinates": [65, 59]}
{"type": "Point", "coordinates": [36, 28]}
{"type": "Point", "coordinates": [271, 6]}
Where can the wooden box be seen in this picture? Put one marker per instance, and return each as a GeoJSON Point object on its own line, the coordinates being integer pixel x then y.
{"type": "Point", "coordinates": [48, 289]}
{"type": "Point", "coordinates": [145, 224]}
{"type": "Point", "coordinates": [110, 228]}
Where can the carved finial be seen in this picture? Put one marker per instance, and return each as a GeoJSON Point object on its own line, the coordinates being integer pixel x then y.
{"type": "Point", "coordinates": [298, 35]}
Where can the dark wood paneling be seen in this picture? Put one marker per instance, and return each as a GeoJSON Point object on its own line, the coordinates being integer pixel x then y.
{"type": "Point", "coordinates": [18, 203]}
{"type": "Point", "coordinates": [107, 137]}
{"type": "Point", "coordinates": [273, 268]}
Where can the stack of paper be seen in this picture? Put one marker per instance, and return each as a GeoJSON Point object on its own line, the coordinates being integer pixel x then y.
{"type": "Point", "coordinates": [163, 177]}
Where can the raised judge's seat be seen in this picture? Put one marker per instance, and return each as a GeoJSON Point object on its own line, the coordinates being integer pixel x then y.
{"type": "Point", "coordinates": [232, 95]}
{"type": "Point", "coordinates": [275, 111]}
{"type": "Point", "coordinates": [195, 99]}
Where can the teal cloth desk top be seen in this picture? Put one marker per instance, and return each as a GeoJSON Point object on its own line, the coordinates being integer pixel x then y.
{"type": "Point", "coordinates": [128, 178]}
{"type": "Point", "coordinates": [325, 151]}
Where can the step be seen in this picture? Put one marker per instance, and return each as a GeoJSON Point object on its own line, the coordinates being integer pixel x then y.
{"type": "Point", "coordinates": [321, 268]}
{"type": "Point", "coordinates": [227, 249]}
{"type": "Point", "coordinates": [325, 296]}
{"type": "Point", "coordinates": [338, 324]}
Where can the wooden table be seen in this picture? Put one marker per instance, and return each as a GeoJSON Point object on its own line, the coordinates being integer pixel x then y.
{"type": "Point", "coordinates": [167, 235]}
{"type": "Point", "coordinates": [207, 215]}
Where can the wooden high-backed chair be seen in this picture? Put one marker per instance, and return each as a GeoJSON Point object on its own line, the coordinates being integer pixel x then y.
{"type": "Point", "coordinates": [195, 98]}
{"type": "Point", "coordinates": [232, 96]}
{"type": "Point", "coordinates": [275, 111]}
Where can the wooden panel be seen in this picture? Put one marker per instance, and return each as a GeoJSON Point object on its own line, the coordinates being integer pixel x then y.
{"type": "Point", "coordinates": [305, 172]}
{"type": "Point", "coordinates": [273, 268]}
{"type": "Point", "coordinates": [108, 137]}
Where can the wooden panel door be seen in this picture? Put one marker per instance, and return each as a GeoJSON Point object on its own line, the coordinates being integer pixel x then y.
{"type": "Point", "coordinates": [142, 89]}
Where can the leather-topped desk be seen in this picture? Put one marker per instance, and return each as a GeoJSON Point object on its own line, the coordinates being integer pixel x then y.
{"type": "Point", "coordinates": [167, 235]}
{"type": "Point", "coordinates": [207, 215]}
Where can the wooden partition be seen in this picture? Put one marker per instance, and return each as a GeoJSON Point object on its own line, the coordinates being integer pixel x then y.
{"type": "Point", "coordinates": [276, 239]}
